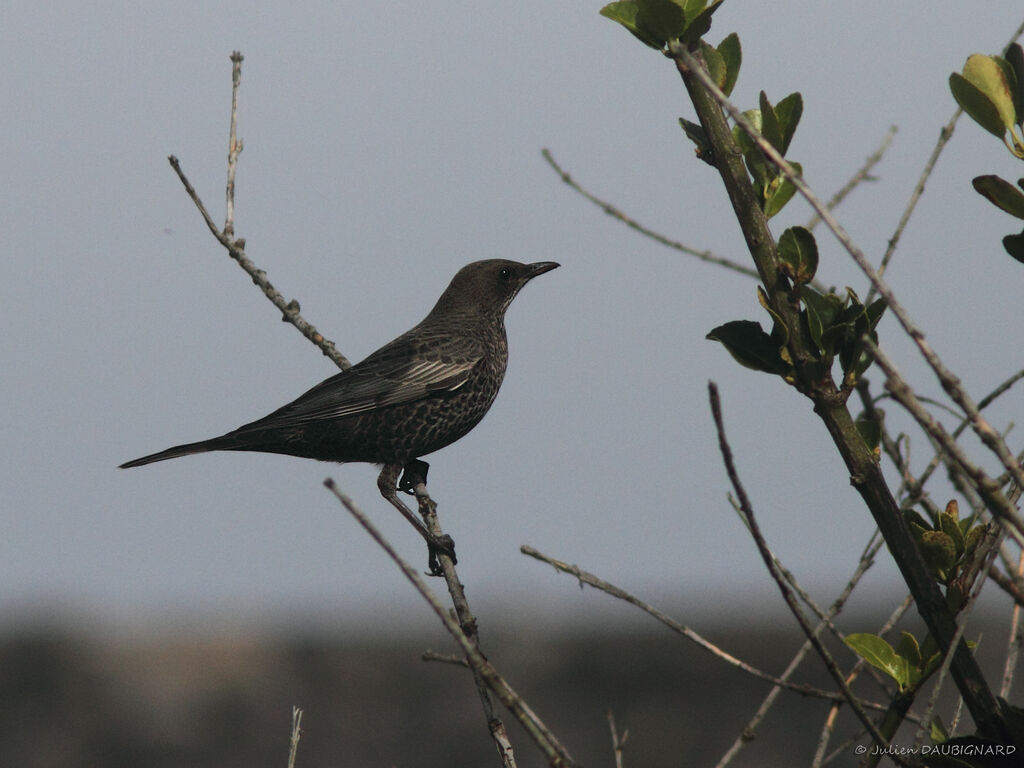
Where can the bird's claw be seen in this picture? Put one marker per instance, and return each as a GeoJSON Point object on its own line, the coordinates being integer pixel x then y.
{"type": "Point", "coordinates": [440, 545]}
{"type": "Point", "coordinates": [413, 473]}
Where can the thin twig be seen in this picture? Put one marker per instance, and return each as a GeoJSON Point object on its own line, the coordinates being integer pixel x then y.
{"type": "Point", "coordinates": [1010, 586]}
{"type": "Point", "coordinates": [234, 144]}
{"type": "Point", "coordinates": [615, 213]}
{"type": "Point", "coordinates": [467, 624]}
{"type": "Point", "coordinates": [585, 577]}
{"type": "Point", "coordinates": [914, 489]}
{"type": "Point", "coordinates": [997, 502]}
{"type": "Point", "coordinates": [867, 559]}
{"type": "Point", "coordinates": [944, 136]}
{"type": "Point", "coordinates": [1016, 637]}
{"type": "Point", "coordinates": [556, 754]}
{"type": "Point", "coordinates": [618, 742]}
{"type": "Point", "coordinates": [236, 246]}
{"type": "Point", "coordinates": [862, 174]}
{"type": "Point", "coordinates": [445, 658]}
{"type": "Point", "coordinates": [787, 595]}
{"type": "Point", "coordinates": [293, 748]}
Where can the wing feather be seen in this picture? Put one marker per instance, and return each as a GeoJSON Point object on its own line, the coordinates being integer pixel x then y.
{"type": "Point", "coordinates": [389, 376]}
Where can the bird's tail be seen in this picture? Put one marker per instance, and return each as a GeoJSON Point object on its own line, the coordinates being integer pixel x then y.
{"type": "Point", "coordinates": [179, 450]}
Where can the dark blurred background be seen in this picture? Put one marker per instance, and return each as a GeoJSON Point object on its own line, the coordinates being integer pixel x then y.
{"type": "Point", "coordinates": [224, 697]}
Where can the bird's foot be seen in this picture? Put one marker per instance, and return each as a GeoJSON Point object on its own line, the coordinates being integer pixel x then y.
{"type": "Point", "coordinates": [440, 545]}
{"type": "Point", "coordinates": [413, 473]}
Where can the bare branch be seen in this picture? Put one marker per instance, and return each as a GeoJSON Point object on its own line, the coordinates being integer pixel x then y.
{"type": "Point", "coordinates": [1016, 638]}
{"type": "Point", "coordinates": [557, 755]}
{"type": "Point", "coordinates": [998, 503]}
{"type": "Point", "coordinates": [787, 595]}
{"type": "Point", "coordinates": [615, 213]}
{"type": "Point", "coordinates": [867, 559]}
{"type": "Point", "coordinates": [293, 748]}
{"type": "Point", "coordinates": [944, 136]}
{"type": "Point", "coordinates": [618, 742]}
{"type": "Point", "coordinates": [584, 577]}
{"type": "Point", "coordinates": [236, 246]}
{"type": "Point", "coordinates": [234, 144]}
{"type": "Point", "coordinates": [445, 658]}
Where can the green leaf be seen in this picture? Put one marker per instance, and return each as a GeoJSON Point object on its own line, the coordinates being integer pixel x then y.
{"type": "Point", "coordinates": [769, 123]}
{"type": "Point", "coordinates": [1001, 193]}
{"type": "Point", "coordinates": [971, 539]}
{"type": "Point", "coordinates": [757, 165]}
{"type": "Point", "coordinates": [698, 23]}
{"type": "Point", "coordinates": [821, 316]}
{"type": "Point", "coordinates": [1014, 245]}
{"type": "Point", "coordinates": [780, 192]}
{"type": "Point", "coordinates": [799, 253]}
{"type": "Point", "coordinates": [732, 55]}
{"type": "Point", "coordinates": [939, 551]}
{"type": "Point", "coordinates": [870, 432]}
{"type": "Point", "coordinates": [938, 731]}
{"type": "Point", "coordinates": [879, 654]}
{"type": "Point", "coordinates": [716, 65]}
{"type": "Point", "coordinates": [949, 526]}
{"type": "Point", "coordinates": [908, 648]}
{"type": "Point", "coordinates": [1015, 59]}
{"type": "Point", "coordinates": [752, 348]}
{"type": "Point", "coordinates": [653, 22]}
{"type": "Point", "coordinates": [976, 104]}
{"type": "Point", "coordinates": [695, 133]}
{"type": "Point", "coordinates": [989, 92]}
{"type": "Point", "coordinates": [875, 311]}
{"type": "Point", "coordinates": [788, 112]}
{"type": "Point", "coordinates": [989, 75]}
{"type": "Point", "coordinates": [913, 518]}
{"type": "Point", "coordinates": [780, 331]}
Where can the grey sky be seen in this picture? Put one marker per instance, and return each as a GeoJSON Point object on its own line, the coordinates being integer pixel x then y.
{"type": "Point", "coordinates": [386, 145]}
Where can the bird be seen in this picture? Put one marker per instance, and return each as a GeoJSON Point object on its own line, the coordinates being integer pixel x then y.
{"type": "Point", "coordinates": [415, 395]}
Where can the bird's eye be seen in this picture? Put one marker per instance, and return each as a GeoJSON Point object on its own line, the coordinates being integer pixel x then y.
{"type": "Point", "coordinates": [505, 273]}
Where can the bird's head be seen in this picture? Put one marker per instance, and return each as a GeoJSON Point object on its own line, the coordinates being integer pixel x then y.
{"type": "Point", "coordinates": [488, 287]}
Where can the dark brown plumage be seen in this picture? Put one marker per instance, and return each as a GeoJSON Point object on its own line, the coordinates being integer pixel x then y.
{"type": "Point", "coordinates": [413, 396]}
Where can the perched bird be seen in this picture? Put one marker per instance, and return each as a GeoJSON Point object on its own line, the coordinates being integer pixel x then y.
{"type": "Point", "coordinates": [411, 397]}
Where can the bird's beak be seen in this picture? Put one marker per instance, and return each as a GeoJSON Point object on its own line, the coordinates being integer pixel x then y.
{"type": "Point", "coordinates": [540, 267]}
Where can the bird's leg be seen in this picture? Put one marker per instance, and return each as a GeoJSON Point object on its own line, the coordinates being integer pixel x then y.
{"type": "Point", "coordinates": [387, 483]}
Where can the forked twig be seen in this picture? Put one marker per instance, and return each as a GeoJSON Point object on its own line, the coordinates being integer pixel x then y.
{"type": "Point", "coordinates": [236, 246]}
{"type": "Point", "coordinates": [556, 753]}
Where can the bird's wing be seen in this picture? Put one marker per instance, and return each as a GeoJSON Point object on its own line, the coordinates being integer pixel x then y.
{"type": "Point", "coordinates": [388, 377]}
